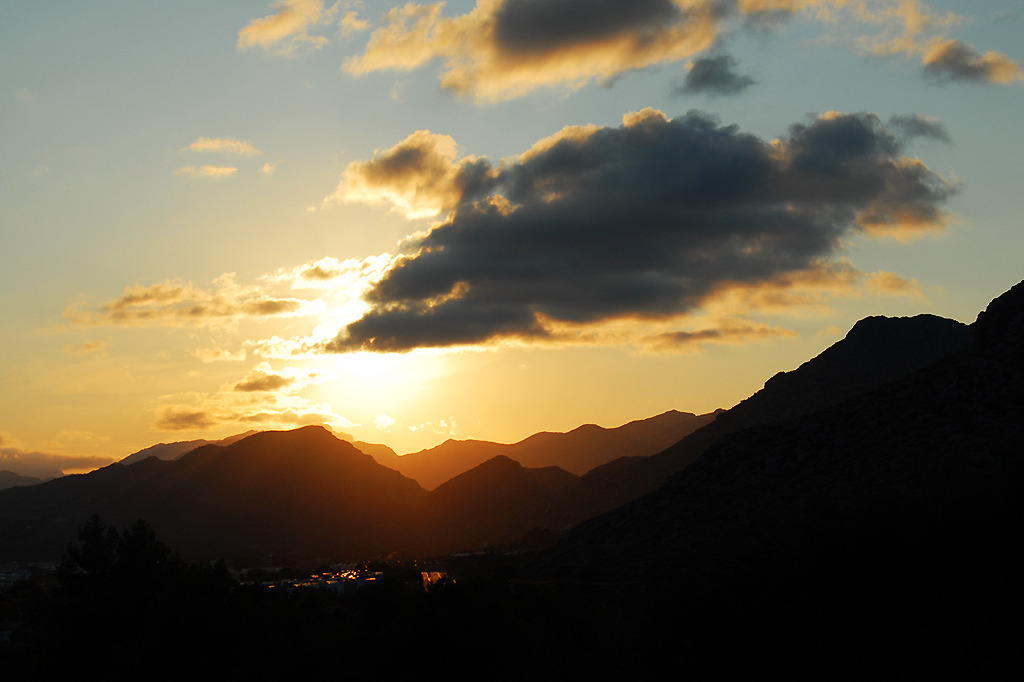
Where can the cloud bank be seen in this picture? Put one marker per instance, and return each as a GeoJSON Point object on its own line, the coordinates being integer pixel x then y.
{"type": "Point", "coordinates": [647, 221]}
{"type": "Point", "coordinates": [177, 303]}
{"type": "Point", "coordinates": [44, 465]}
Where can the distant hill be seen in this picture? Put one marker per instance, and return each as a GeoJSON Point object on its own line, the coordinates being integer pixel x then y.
{"type": "Point", "coordinates": [434, 466]}
{"type": "Point", "coordinates": [169, 451]}
{"type": "Point", "coordinates": [577, 451]}
{"type": "Point", "coordinates": [382, 453]}
{"type": "Point", "coordinates": [493, 504]}
{"type": "Point", "coordinates": [9, 479]}
{"type": "Point", "coordinates": [301, 492]}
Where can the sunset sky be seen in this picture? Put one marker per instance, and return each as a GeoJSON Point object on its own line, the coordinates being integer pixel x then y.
{"type": "Point", "coordinates": [415, 222]}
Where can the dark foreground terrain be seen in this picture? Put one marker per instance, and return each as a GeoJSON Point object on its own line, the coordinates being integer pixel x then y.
{"type": "Point", "coordinates": [145, 613]}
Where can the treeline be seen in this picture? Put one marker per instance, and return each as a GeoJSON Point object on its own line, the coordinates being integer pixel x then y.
{"type": "Point", "coordinates": [122, 602]}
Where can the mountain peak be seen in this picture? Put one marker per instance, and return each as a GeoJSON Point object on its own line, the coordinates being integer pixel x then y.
{"type": "Point", "coordinates": [1002, 321]}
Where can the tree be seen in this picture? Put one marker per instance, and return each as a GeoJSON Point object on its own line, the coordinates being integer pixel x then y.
{"type": "Point", "coordinates": [104, 556]}
{"type": "Point", "coordinates": [94, 559]}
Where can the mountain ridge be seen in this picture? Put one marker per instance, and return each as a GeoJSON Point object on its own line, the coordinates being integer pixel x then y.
{"type": "Point", "coordinates": [306, 491]}
{"type": "Point", "coordinates": [943, 440]}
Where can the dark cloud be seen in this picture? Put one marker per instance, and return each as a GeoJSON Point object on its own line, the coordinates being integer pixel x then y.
{"type": "Point", "coordinates": [919, 126]}
{"type": "Point", "coordinates": [956, 61]}
{"type": "Point", "coordinates": [318, 274]}
{"type": "Point", "coordinates": [262, 381]}
{"type": "Point", "coordinates": [649, 220]}
{"type": "Point", "coordinates": [714, 76]}
{"type": "Point", "coordinates": [541, 26]}
{"type": "Point", "coordinates": [181, 419]}
{"type": "Point", "coordinates": [730, 331]}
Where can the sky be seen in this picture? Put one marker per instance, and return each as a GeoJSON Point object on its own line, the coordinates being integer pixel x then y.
{"type": "Point", "coordinates": [414, 222]}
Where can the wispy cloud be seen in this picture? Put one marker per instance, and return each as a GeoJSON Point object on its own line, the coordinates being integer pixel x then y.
{"type": "Point", "coordinates": [85, 348]}
{"type": "Point", "coordinates": [351, 23]}
{"type": "Point", "coordinates": [207, 172]}
{"type": "Point", "coordinates": [725, 331]}
{"type": "Point", "coordinates": [264, 398]}
{"type": "Point", "coordinates": [224, 145]}
{"type": "Point", "coordinates": [177, 303]}
{"type": "Point", "coordinates": [912, 28]}
{"type": "Point", "coordinates": [208, 355]}
{"type": "Point", "coordinates": [287, 30]}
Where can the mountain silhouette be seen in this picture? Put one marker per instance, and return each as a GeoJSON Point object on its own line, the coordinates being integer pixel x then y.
{"type": "Point", "coordinates": [168, 451]}
{"type": "Point", "coordinates": [577, 451]}
{"type": "Point", "coordinates": [493, 504]}
{"type": "Point", "coordinates": [9, 479]}
{"type": "Point", "coordinates": [877, 350]}
{"type": "Point", "coordinates": [309, 493]}
{"type": "Point", "coordinates": [301, 492]}
{"type": "Point", "coordinates": [888, 517]}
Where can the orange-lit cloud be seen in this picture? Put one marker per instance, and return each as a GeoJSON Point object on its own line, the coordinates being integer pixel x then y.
{"type": "Point", "coordinates": [263, 378]}
{"type": "Point", "coordinates": [890, 283]}
{"type": "Point", "coordinates": [506, 48]}
{"type": "Point", "coordinates": [954, 60]}
{"type": "Point", "coordinates": [85, 348]}
{"type": "Point", "coordinates": [351, 23]}
{"type": "Point", "coordinates": [349, 278]}
{"type": "Point", "coordinates": [650, 220]}
{"type": "Point", "coordinates": [264, 398]}
{"type": "Point", "coordinates": [207, 172]}
{"type": "Point", "coordinates": [208, 355]}
{"type": "Point", "coordinates": [224, 145]}
{"type": "Point", "coordinates": [910, 27]}
{"type": "Point", "coordinates": [725, 331]}
{"type": "Point", "coordinates": [808, 291]}
{"type": "Point", "coordinates": [287, 30]}
{"type": "Point", "coordinates": [176, 303]}
{"type": "Point", "coordinates": [419, 176]}
{"type": "Point", "coordinates": [503, 49]}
